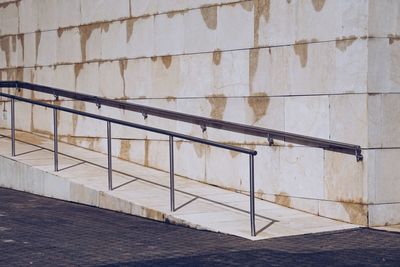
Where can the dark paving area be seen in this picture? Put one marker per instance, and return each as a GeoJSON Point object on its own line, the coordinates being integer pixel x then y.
{"type": "Point", "coordinates": [40, 231]}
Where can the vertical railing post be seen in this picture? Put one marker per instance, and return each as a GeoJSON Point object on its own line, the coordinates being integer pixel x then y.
{"type": "Point", "coordinates": [252, 209]}
{"type": "Point", "coordinates": [55, 121]}
{"type": "Point", "coordinates": [13, 127]}
{"type": "Point", "coordinates": [171, 172]}
{"type": "Point", "coordinates": [109, 155]}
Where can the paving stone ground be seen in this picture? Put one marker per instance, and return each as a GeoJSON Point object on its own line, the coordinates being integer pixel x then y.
{"type": "Point", "coordinates": [38, 231]}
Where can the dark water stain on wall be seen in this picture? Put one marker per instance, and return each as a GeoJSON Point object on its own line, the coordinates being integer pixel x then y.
{"type": "Point", "coordinates": [22, 42]}
{"type": "Point", "coordinates": [283, 199]}
{"type": "Point", "coordinates": [170, 98]}
{"type": "Point", "coordinates": [5, 47]}
{"type": "Point", "coordinates": [253, 65]}
{"type": "Point", "coordinates": [217, 57]}
{"type": "Point", "coordinates": [129, 28]}
{"type": "Point", "coordinates": [301, 50]}
{"type": "Point", "coordinates": [77, 70]}
{"type": "Point", "coordinates": [345, 42]}
{"type": "Point", "coordinates": [122, 67]}
{"type": "Point", "coordinates": [261, 10]}
{"type": "Point", "coordinates": [247, 5]}
{"type": "Point", "coordinates": [172, 14]}
{"type": "Point", "coordinates": [358, 213]}
{"type": "Point", "coordinates": [393, 38]}
{"type": "Point", "coordinates": [218, 105]}
{"type": "Point", "coordinates": [77, 105]}
{"type": "Point", "coordinates": [167, 61]}
{"type": "Point", "coordinates": [86, 31]}
{"type": "Point", "coordinates": [210, 16]}
{"type": "Point", "coordinates": [259, 103]}
{"type": "Point", "coordinates": [318, 4]}
{"type": "Point", "coordinates": [38, 36]}
{"type": "Point", "coordinates": [125, 148]}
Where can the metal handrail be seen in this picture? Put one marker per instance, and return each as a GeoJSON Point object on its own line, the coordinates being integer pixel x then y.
{"type": "Point", "coordinates": [145, 111]}
{"type": "Point", "coordinates": [202, 121]}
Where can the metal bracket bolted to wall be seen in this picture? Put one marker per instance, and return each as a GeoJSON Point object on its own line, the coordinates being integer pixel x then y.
{"type": "Point", "coordinates": [203, 127]}
{"type": "Point", "coordinates": [270, 140]}
{"type": "Point", "coordinates": [144, 114]}
{"type": "Point", "coordinates": [359, 156]}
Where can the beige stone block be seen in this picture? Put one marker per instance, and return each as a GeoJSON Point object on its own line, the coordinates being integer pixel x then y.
{"type": "Point", "coordinates": [197, 75]}
{"type": "Point", "coordinates": [231, 74]}
{"type": "Point", "coordinates": [166, 81]}
{"type": "Point", "coordinates": [347, 212]}
{"type": "Point", "coordinates": [226, 169]}
{"type": "Point", "coordinates": [379, 65]}
{"type": "Point", "coordinates": [349, 119]}
{"type": "Point", "coordinates": [189, 160]}
{"type": "Point", "coordinates": [169, 34]}
{"type": "Point", "coordinates": [345, 179]}
{"type": "Point", "coordinates": [383, 19]}
{"type": "Point", "coordinates": [9, 23]}
{"type": "Point", "coordinates": [266, 170]}
{"type": "Point", "coordinates": [157, 155]}
{"type": "Point", "coordinates": [233, 21]}
{"type": "Point", "coordinates": [138, 78]}
{"type": "Point", "coordinates": [68, 46]}
{"type": "Point", "coordinates": [46, 47]}
{"type": "Point", "coordinates": [390, 120]}
{"type": "Point", "coordinates": [302, 171]}
{"type": "Point", "coordinates": [274, 22]}
{"type": "Point", "coordinates": [307, 115]}
{"type": "Point", "coordinates": [103, 10]}
{"type": "Point", "coordinates": [42, 120]}
{"type": "Point", "coordinates": [47, 15]}
{"type": "Point", "coordinates": [387, 179]}
{"type": "Point", "coordinates": [384, 214]}
{"type": "Point", "coordinates": [201, 29]}
{"type": "Point", "coordinates": [64, 77]}
{"type": "Point", "coordinates": [23, 116]}
{"type": "Point", "coordinates": [334, 17]}
{"type": "Point", "coordinates": [111, 80]}
{"type": "Point", "coordinates": [87, 79]}
{"type": "Point", "coordinates": [69, 13]}
{"type": "Point", "coordinates": [113, 40]}
{"type": "Point", "coordinates": [351, 57]}
{"type": "Point", "coordinates": [139, 37]}
{"type": "Point", "coordinates": [28, 16]}
{"type": "Point", "coordinates": [269, 71]}
{"type": "Point", "coordinates": [29, 51]}
{"type": "Point", "coordinates": [43, 76]}
{"type": "Point", "coordinates": [85, 195]}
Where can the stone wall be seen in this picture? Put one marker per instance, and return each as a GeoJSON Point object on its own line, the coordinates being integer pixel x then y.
{"type": "Point", "coordinates": [323, 68]}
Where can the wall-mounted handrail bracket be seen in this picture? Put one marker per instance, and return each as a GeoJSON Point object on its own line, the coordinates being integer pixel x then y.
{"type": "Point", "coordinates": [358, 154]}
{"type": "Point", "coordinates": [203, 127]}
{"type": "Point", "coordinates": [144, 114]}
{"type": "Point", "coordinates": [270, 140]}
{"type": "Point", "coordinates": [98, 105]}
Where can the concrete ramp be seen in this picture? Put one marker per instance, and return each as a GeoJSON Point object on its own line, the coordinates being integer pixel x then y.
{"type": "Point", "coordinates": [144, 191]}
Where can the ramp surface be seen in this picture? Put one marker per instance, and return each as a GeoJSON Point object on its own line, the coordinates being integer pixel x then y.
{"type": "Point", "coordinates": [144, 191]}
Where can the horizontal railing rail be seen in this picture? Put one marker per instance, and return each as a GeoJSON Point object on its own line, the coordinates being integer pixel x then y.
{"type": "Point", "coordinates": [204, 122]}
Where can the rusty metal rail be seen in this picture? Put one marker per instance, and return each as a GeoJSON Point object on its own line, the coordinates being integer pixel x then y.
{"type": "Point", "coordinates": [269, 134]}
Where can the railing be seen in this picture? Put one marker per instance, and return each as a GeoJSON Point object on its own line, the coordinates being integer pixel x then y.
{"type": "Point", "coordinates": [269, 134]}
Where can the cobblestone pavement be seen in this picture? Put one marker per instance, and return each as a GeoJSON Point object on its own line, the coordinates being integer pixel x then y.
{"type": "Point", "coordinates": [39, 231]}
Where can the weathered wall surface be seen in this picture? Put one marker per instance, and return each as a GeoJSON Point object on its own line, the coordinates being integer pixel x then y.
{"type": "Point", "coordinates": [324, 68]}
